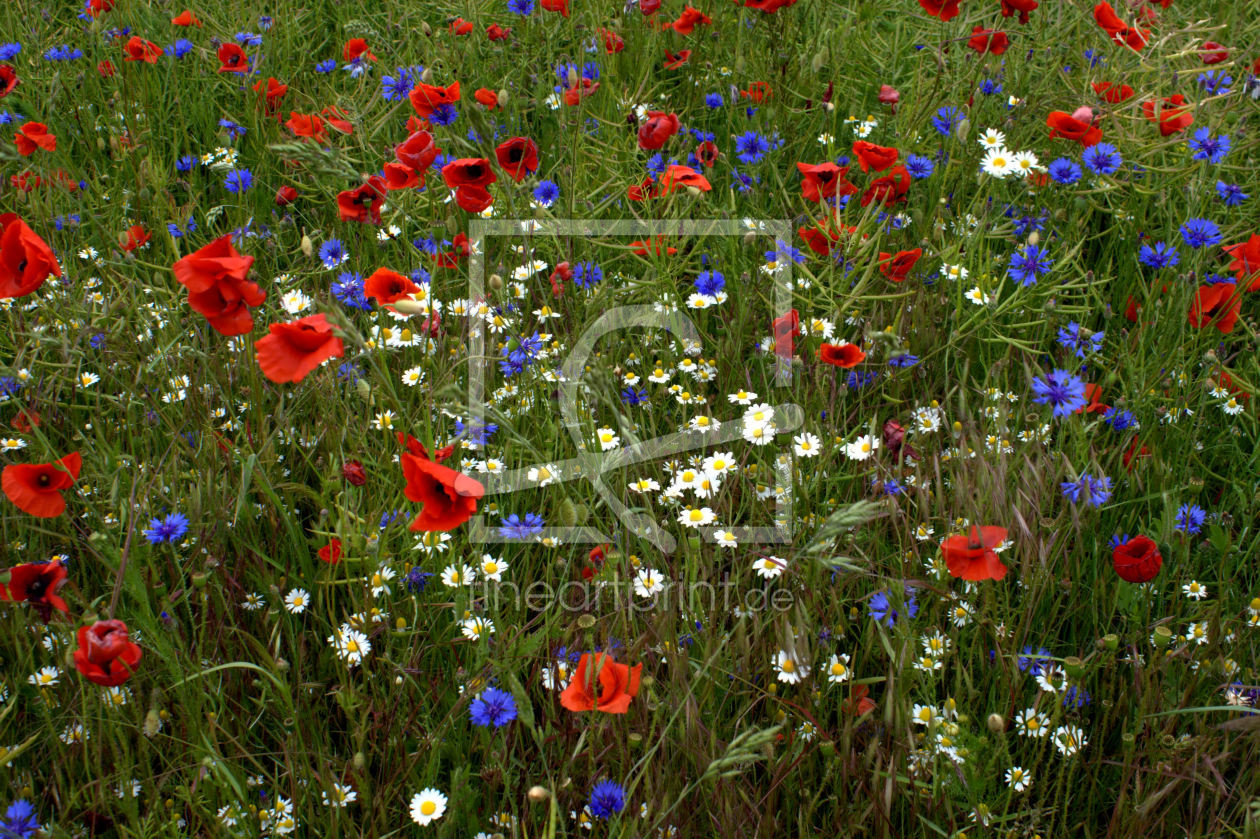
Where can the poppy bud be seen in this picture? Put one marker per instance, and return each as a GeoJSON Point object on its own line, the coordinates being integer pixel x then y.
{"type": "Point", "coordinates": [1034, 237]}
{"type": "Point", "coordinates": [354, 472]}
{"type": "Point", "coordinates": [573, 76]}
{"type": "Point", "coordinates": [503, 98]}
{"type": "Point", "coordinates": [538, 794]}
{"type": "Point", "coordinates": [359, 761]}
{"type": "Point", "coordinates": [964, 126]}
{"type": "Point", "coordinates": [364, 389]}
{"type": "Point", "coordinates": [408, 306]}
{"type": "Point", "coordinates": [152, 723]}
{"type": "Point", "coordinates": [427, 30]}
{"type": "Point", "coordinates": [308, 247]}
{"type": "Point", "coordinates": [996, 723]}
{"type": "Point", "coordinates": [496, 282]}
{"type": "Point", "coordinates": [820, 58]}
{"type": "Point", "coordinates": [427, 75]}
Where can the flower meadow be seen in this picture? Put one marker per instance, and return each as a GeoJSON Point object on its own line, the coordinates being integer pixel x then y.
{"type": "Point", "coordinates": [518, 418]}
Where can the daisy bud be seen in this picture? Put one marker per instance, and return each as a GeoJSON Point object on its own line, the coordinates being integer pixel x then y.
{"type": "Point", "coordinates": [538, 794]}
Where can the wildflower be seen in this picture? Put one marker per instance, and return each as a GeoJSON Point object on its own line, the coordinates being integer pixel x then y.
{"type": "Point", "coordinates": [862, 448]}
{"type": "Point", "coordinates": [1194, 590]}
{"type": "Point", "coordinates": [1137, 560]}
{"type": "Point", "coordinates": [602, 684]}
{"type": "Point", "coordinates": [607, 799]}
{"type": "Point", "coordinates": [493, 707]}
{"type": "Point", "coordinates": [296, 601]}
{"type": "Point", "coordinates": [1208, 148]}
{"type": "Point", "coordinates": [972, 557]}
{"type": "Point", "coordinates": [352, 646]}
{"type": "Point", "coordinates": [1158, 256]}
{"type": "Point", "coordinates": [838, 668]}
{"type": "Point", "coordinates": [1088, 490]}
{"type": "Point", "coordinates": [1018, 778]}
{"type": "Point", "coordinates": [427, 806]}
{"type": "Point", "coordinates": [1190, 518]}
{"type": "Point", "coordinates": [35, 488]}
{"type": "Point", "coordinates": [1027, 264]}
{"type": "Point", "coordinates": [1200, 232]}
{"type": "Point", "coordinates": [789, 669]}
{"type": "Point", "coordinates": [880, 608]}
{"type": "Point", "coordinates": [1064, 171]}
{"type": "Point", "coordinates": [1061, 390]}
{"type": "Point", "coordinates": [1102, 159]}
{"type": "Point", "coordinates": [106, 654]}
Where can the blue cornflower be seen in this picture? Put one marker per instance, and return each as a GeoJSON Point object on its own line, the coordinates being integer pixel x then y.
{"type": "Point", "coordinates": [881, 609]}
{"type": "Point", "coordinates": [173, 229]}
{"type": "Point", "coordinates": [416, 580]}
{"type": "Point", "coordinates": [1102, 159]}
{"type": "Point", "coordinates": [920, 167]}
{"type": "Point", "coordinates": [248, 39]}
{"type": "Point", "coordinates": [710, 283]}
{"type": "Point", "coordinates": [1094, 58]}
{"type": "Point", "coordinates": [493, 707]}
{"type": "Point", "coordinates": [546, 193]}
{"type": "Point", "coordinates": [444, 114]}
{"type": "Point", "coordinates": [1117, 539]}
{"type": "Point", "coordinates": [1217, 279]}
{"type": "Point", "coordinates": [634, 397]}
{"type": "Point", "coordinates": [348, 372]}
{"type": "Point", "coordinates": [521, 7]}
{"type": "Point", "coordinates": [515, 527]}
{"type": "Point", "coordinates": [332, 253]}
{"type": "Point", "coordinates": [180, 48]}
{"type": "Point", "coordinates": [170, 529]}
{"type": "Point", "coordinates": [1027, 264]}
{"type": "Point", "coordinates": [1209, 148]}
{"type": "Point", "coordinates": [751, 147]}
{"type": "Point", "coordinates": [1231, 194]}
{"type": "Point", "coordinates": [476, 435]}
{"type": "Point", "coordinates": [10, 386]}
{"type": "Point", "coordinates": [713, 100]}
{"type": "Point", "coordinates": [946, 118]}
{"type": "Point", "coordinates": [1215, 82]}
{"type": "Point", "coordinates": [233, 129]}
{"type": "Point", "coordinates": [348, 290]}
{"type": "Point", "coordinates": [1060, 390]}
{"type": "Point", "coordinates": [185, 163]}
{"type": "Point", "coordinates": [1200, 232]}
{"type": "Point", "coordinates": [903, 360]}
{"type": "Point", "coordinates": [1064, 171]}
{"type": "Point", "coordinates": [587, 274]}
{"type": "Point", "coordinates": [1070, 338]}
{"type": "Point", "coordinates": [1159, 256]}
{"type": "Point", "coordinates": [264, 23]}
{"type": "Point", "coordinates": [9, 50]}
{"type": "Point", "coordinates": [1032, 663]}
{"type": "Point", "coordinates": [396, 87]}
{"type": "Point", "coordinates": [326, 66]}
{"type": "Point", "coordinates": [785, 251]}
{"type": "Point", "coordinates": [1120, 419]}
{"type": "Point", "coordinates": [1075, 697]}
{"type": "Point", "coordinates": [62, 53]}
{"type": "Point", "coordinates": [10, 118]}
{"type": "Point", "coordinates": [990, 86]}
{"type": "Point", "coordinates": [1190, 518]}
{"type": "Point", "coordinates": [238, 180]}
{"type": "Point", "coordinates": [19, 821]}
{"type": "Point", "coordinates": [1087, 490]}
{"type": "Point", "coordinates": [607, 799]}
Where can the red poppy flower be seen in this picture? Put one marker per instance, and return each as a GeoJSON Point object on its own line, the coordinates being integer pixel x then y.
{"type": "Point", "coordinates": [97, 7]}
{"type": "Point", "coordinates": [1113, 92]}
{"type": "Point", "coordinates": [820, 237]}
{"type": "Point", "coordinates": [185, 18]}
{"type": "Point", "coordinates": [32, 136]}
{"type": "Point", "coordinates": [688, 21]}
{"type": "Point", "coordinates": [612, 41]}
{"type": "Point", "coordinates": [487, 97]}
{"type": "Point", "coordinates": [400, 176]}
{"type": "Point", "coordinates": [673, 62]}
{"type": "Point", "coordinates": [871, 156]}
{"type": "Point", "coordinates": [898, 266]}
{"type": "Point", "coordinates": [1170, 113]}
{"type": "Point", "coordinates": [473, 199]}
{"type": "Point", "coordinates": [676, 176]}
{"type": "Point", "coordinates": [291, 350]}
{"type": "Point", "coordinates": [449, 497]}
{"type": "Point", "coordinates": [651, 246]}
{"type": "Point", "coordinates": [1093, 393]}
{"type": "Point", "coordinates": [943, 9]}
{"type": "Point", "coordinates": [768, 6]}
{"type": "Point", "coordinates": [1213, 53]}
{"type": "Point", "coordinates": [841, 355]}
{"type": "Point", "coordinates": [25, 420]}
{"type": "Point", "coordinates": [1245, 261]}
{"type": "Point", "coordinates": [1120, 32]}
{"type": "Point", "coordinates": [784, 327]}
{"type": "Point", "coordinates": [25, 259]}
{"type": "Point", "coordinates": [8, 80]}
{"type": "Point", "coordinates": [757, 92]}
{"type": "Point", "coordinates": [286, 195]}
{"type": "Point", "coordinates": [35, 488]}
{"type": "Point", "coordinates": [307, 125]}
{"type": "Point", "coordinates": [138, 49]}
{"type": "Point", "coordinates": [657, 130]}
{"type": "Point", "coordinates": [363, 203]}
{"type": "Point", "coordinates": [232, 59]}
{"type": "Point", "coordinates": [459, 26]}
{"type": "Point", "coordinates": [385, 286]}
{"type": "Point", "coordinates": [561, 6]}
{"type": "Point", "coordinates": [37, 584]}
{"type": "Point", "coordinates": [649, 7]}
{"type": "Point", "coordinates": [355, 49]}
{"type": "Point", "coordinates": [890, 189]}
{"type": "Point", "coordinates": [563, 273]}
{"type": "Point", "coordinates": [418, 151]}
{"type": "Point", "coordinates": [1137, 560]}
{"type": "Point", "coordinates": [136, 237]}
{"type": "Point", "coordinates": [1216, 305]}
{"type": "Point", "coordinates": [707, 153]}
{"type": "Point", "coordinates": [330, 553]}
{"type": "Point", "coordinates": [414, 446]}
{"type": "Point", "coordinates": [972, 557]}
{"type": "Point", "coordinates": [218, 288]}
{"type": "Point", "coordinates": [518, 157]}
{"type": "Point", "coordinates": [602, 684]}
{"type": "Point", "coordinates": [354, 473]}
{"type": "Point", "coordinates": [824, 180]}
{"type": "Point", "coordinates": [859, 702]}
{"type": "Point", "coordinates": [1063, 124]}
{"type": "Point", "coordinates": [273, 92]}
{"type": "Point", "coordinates": [889, 95]}
{"type": "Point", "coordinates": [105, 69]}
{"type": "Point", "coordinates": [1134, 454]}
{"type": "Point", "coordinates": [498, 33]}
{"type": "Point", "coordinates": [1010, 7]}
{"type": "Point", "coordinates": [106, 655]}
{"type": "Point", "coordinates": [988, 40]}
{"type": "Point", "coordinates": [427, 98]}
{"type": "Point", "coordinates": [469, 171]}
{"type": "Point", "coordinates": [584, 88]}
